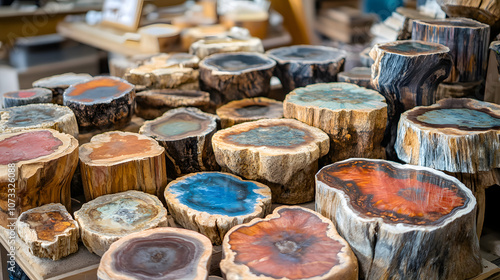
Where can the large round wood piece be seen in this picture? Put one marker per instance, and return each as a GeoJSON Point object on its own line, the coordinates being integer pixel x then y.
{"type": "Point", "coordinates": [206, 47]}
{"type": "Point", "coordinates": [27, 96]}
{"type": "Point", "coordinates": [291, 243]}
{"type": "Point", "coordinates": [360, 76]}
{"type": "Point", "coordinates": [402, 221]}
{"type": "Point", "coordinates": [486, 11]}
{"type": "Point", "coordinates": [59, 83]}
{"type": "Point", "coordinates": [249, 109]}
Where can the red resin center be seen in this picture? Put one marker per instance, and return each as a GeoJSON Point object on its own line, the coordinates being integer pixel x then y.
{"type": "Point", "coordinates": [27, 146]}
{"type": "Point", "coordinates": [26, 93]}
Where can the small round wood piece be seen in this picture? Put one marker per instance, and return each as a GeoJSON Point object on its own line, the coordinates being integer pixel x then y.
{"type": "Point", "coordinates": [153, 76]}
{"type": "Point", "coordinates": [119, 161]}
{"type": "Point", "coordinates": [102, 102]}
{"type": "Point", "coordinates": [27, 96]}
{"type": "Point", "coordinates": [110, 217]}
{"type": "Point", "coordinates": [291, 243]}
{"type": "Point", "coordinates": [161, 253]}
{"type": "Point", "coordinates": [360, 76]}
{"type": "Point", "coordinates": [486, 11]}
{"type": "Point", "coordinates": [186, 135]}
{"type": "Point", "coordinates": [49, 231]}
{"type": "Point", "coordinates": [182, 60]}
{"type": "Point", "coordinates": [206, 47]}
{"type": "Point", "coordinates": [249, 109]}
{"type": "Point", "coordinates": [398, 217]}
{"type": "Point", "coordinates": [59, 83]}
{"type": "Point", "coordinates": [214, 202]}
{"type": "Point", "coordinates": [302, 65]}
{"type": "Point", "coordinates": [281, 153]}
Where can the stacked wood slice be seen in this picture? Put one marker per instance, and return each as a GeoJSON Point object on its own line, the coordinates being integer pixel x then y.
{"type": "Point", "coordinates": [360, 76]}
{"type": "Point", "coordinates": [27, 96]}
{"type": "Point", "coordinates": [398, 26]}
{"type": "Point", "coordinates": [59, 83]}
{"type": "Point", "coordinates": [486, 11]}
{"type": "Point", "coordinates": [205, 47]}
{"type": "Point", "coordinates": [250, 109]}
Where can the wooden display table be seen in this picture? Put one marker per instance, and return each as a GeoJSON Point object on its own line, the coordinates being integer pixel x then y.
{"type": "Point", "coordinates": [250, 109]}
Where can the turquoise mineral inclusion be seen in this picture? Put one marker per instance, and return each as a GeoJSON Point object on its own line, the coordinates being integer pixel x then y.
{"type": "Point", "coordinates": [122, 211]}
{"type": "Point", "coordinates": [176, 127]}
{"type": "Point", "coordinates": [273, 136]}
{"type": "Point", "coordinates": [460, 117]}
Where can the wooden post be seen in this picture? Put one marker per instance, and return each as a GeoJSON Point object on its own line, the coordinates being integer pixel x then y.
{"type": "Point", "coordinates": [27, 96]}
{"type": "Point", "coordinates": [59, 83]}
{"type": "Point", "coordinates": [486, 11]}
{"type": "Point", "coordinates": [360, 76]}
{"type": "Point", "coordinates": [206, 47]}
{"type": "Point", "coordinates": [250, 109]}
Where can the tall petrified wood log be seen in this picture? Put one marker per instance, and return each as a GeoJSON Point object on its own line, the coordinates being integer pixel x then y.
{"type": "Point", "coordinates": [108, 218]}
{"type": "Point", "coordinates": [291, 243]}
{"type": "Point", "coordinates": [119, 161]}
{"type": "Point", "coordinates": [360, 76]}
{"type": "Point", "coordinates": [214, 202]}
{"type": "Point", "coordinates": [281, 153]}
{"type": "Point", "coordinates": [161, 253]}
{"type": "Point", "coordinates": [302, 65]}
{"type": "Point", "coordinates": [186, 135]}
{"type": "Point", "coordinates": [402, 221]}
{"type": "Point", "coordinates": [205, 47]}
{"type": "Point", "coordinates": [49, 231]}
{"type": "Point", "coordinates": [27, 96]}
{"type": "Point", "coordinates": [249, 109]}
{"type": "Point", "coordinates": [59, 83]}
{"type": "Point", "coordinates": [486, 11]}
{"type": "Point", "coordinates": [43, 162]}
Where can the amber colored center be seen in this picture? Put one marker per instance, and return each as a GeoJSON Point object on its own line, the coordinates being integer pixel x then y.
{"type": "Point", "coordinates": [48, 225]}
{"type": "Point", "coordinates": [27, 146]}
{"type": "Point", "coordinates": [98, 89]}
{"type": "Point", "coordinates": [120, 145]}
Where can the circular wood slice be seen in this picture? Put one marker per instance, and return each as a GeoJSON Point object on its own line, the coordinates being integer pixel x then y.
{"type": "Point", "coordinates": [119, 161]}
{"type": "Point", "coordinates": [233, 76]}
{"type": "Point", "coordinates": [154, 76]}
{"type": "Point", "coordinates": [360, 76]}
{"type": "Point", "coordinates": [487, 11]}
{"type": "Point", "coordinates": [402, 221]}
{"type": "Point", "coordinates": [291, 243]}
{"type": "Point", "coordinates": [354, 117]}
{"type": "Point", "coordinates": [249, 109]}
{"type": "Point", "coordinates": [281, 153]}
{"type": "Point", "coordinates": [495, 46]}
{"type": "Point", "coordinates": [45, 161]}
{"type": "Point", "coordinates": [205, 47]}
{"type": "Point", "coordinates": [175, 60]}
{"type": "Point", "coordinates": [59, 83]}
{"type": "Point", "coordinates": [35, 116]}
{"type": "Point", "coordinates": [49, 231]}
{"type": "Point", "coordinates": [302, 65]}
{"type": "Point", "coordinates": [103, 102]}
{"type": "Point", "coordinates": [27, 96]}
{"type": "Point", "coordinates": [108, 218]}
{"type": "Point", "coordinates": [186, 135]}
{"type": "Point", "coordinates": [214, 202]}
{"type": "Point", "coordinates": [161, 253]}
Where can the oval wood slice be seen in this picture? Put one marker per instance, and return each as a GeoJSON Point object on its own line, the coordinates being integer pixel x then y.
{"type": "Point", "coordinates": [161, 253]}
{"type": "Point", "coordinates": [302, 65]}
{"type": "Point", "coordinates": [186, 135]}
{"type": "Point", "coordinates": [249, 109]}
{"type": "Point", "coordinates": [27, 96]}
{"type": "Point", "coordinates": [291, 243]}
{"type": "Point", "coordinates": [360, 76]}
{"type": "Point", "coordinates": [486, 11]}
{"type": "Point", "coordinates": [59, 83]}
{"type": "Point", "coordinates": [205, 47]}
{"type": "Point", "coordinates": [49, 231]}
{"type": "Point", "coordinates": [120, 161]}
{"type": "Point", "coordinates": [45, 161]}
{"type": "Point", "coordinates": [161, 76]}
{"type": "Point", "coordinates": [281, 153]}
{"type": "Point", "coordinates": [110, 217]}
{"type": "Point", "coordinates": [402, 221]}
{"type": "Point", "coordinates": [175, 60]}
{"type": "Point", "coordinates": [213, 202]}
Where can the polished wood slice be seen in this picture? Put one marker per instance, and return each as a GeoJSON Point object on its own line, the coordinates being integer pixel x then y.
{"type": "Point", "coordinates": [249, 109]}
{"type": "Point", "coordinates": [214, 202]}
{"type": "Point", "coordinates": [398, 217]}
{"type": "Point", "coordinates": [205, 47]}
{"type": "Point", "coordinates": [302, 65]}
{"type": "Point", "coordinates": [49, 231]}
{"type": "Point", "coordinates": [43, 162]}
{"type": "Point", "coordinates": [360, 76]}
{"type": "Point", "coordinates": [59, 83]}
{"type": "Point", "coordinates": [161, 253]}
{"type": "Point", "coordinates": [119, 161]}
{"type": "Point", "coordinates": [486, 11]}
{"type": "Point", "coordinates": [291, 243]}
{"type": "Point", "coordinates": [154, 76]}
{"type": "Point", "coordinates": [186, 135]}
{"type": "Point", "coordinates": [495, 46]}
{"type": "Point", "coordinates": [354, 117]}
{"type": "Point", "coordinates": [281, 153]}
{"type": "Point", "coordinates": [26, 96]}
{"type": "Point", "coordinates": [110, 217]}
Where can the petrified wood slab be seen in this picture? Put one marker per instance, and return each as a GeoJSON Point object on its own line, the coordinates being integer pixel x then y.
{"type": "Point", "coordinates": [161, 253]}
{"type": "Point", "coordinates": [35, 116]}
{"type": "Point", "coordinates": [487, 11]}
{"type": "Point", "coordinates": [291, 243]}
{"type": "Point", "coordinates": [365, 58]}
{"type": "Point", "coordinates": [27, 96]}
{"type": "Point", "coordinates": [175, 60]}
{"type": "Point", "coordinates": [49, 231]}
{"type": "Point", "coordinates": [154, 76]}
{"type": "Point", "coordinates": [281, 153]}
{"type": "Point", "coordinates": [495, 46]}
{"type": "Point", "coordinates": [44, 161]}
{"type": "Point", "coordinates": [460, 90]}
{"type": "Point", "coordinates": [354, 117]}
{"type": "Point", "coordinates": [249, 109]}
{"type": "Point", "coordinates": [397, 218]}
{"type": "Point", "coordinates": [103, 102]}
{"type": "Point", "coordinates": [233, 76]}
{"type": "Point", "coordinates": [302, 65]}
{"type": "Point", "coordinates": [186, 135]}
{"type": "Point", "coordinates": [214, 202]}
{"type": "Point", "coordinates": [360, 76]}
{"type": "Point", "coordinates": [108, 218]}
{"type": "Point", "coordinates": [119, 161]}
{"type": "Point", "coordinates": [59, 83]}
{"type": "Point", "coordinates": [205, 47]}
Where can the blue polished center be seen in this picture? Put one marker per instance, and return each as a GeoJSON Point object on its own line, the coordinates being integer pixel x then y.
{"type": "Point", "coordinates": [20, 116]}
{"type": "Point", "coordinates": [274, 136]}
{"type": "Point", "coordinates": [459, 117]}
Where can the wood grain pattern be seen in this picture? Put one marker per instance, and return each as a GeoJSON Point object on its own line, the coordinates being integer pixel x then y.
{"type": "Point", "coordinates": [26, 96]}
{"type": "Point", "coordinates": [153, 76]}
{"type": "Point", "coordinates": [495, 46]}
{"type": "Point", "coordinates": [486, 11]}
{"type": "Point", "coordinates": [249, 109]}
{"type": "Point", "coordinates": [59, 83]}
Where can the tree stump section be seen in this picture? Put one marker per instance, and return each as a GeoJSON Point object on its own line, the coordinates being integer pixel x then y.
{"type": "Point", "coordinates": [234, 76]}
{"type": "Point", "coordinates": [34, 116]}
{"type": "Point", "coordinates": [103, 102]}
{"type": "Point", "coordinates": [291, 243]}
{"type": "Point", "coordinates": [49, 231]}
{"type": "Point", "coordinates": [186, 135]}
{"type": "Point", "coordinates": [487, 11]}
{"type": "Point", "coordinates": [302, 65]}
{"type": "Point", "coordinates": [161, 253]}
{"type": "Point", "coordinates": [182, 60]}
{"type": "Point", "coordinates": [59, 83]}
{"type": "Point", "coordinates": [360, 76]}
{"type": "Point", "coordinates": [27, 96]}
{"type": "Point", "coordinates": [152, 76]}
{"type": "Point", "coordinates": [354, 117]}
{"type": "Point", "coordinates": [495, 46]}
{"type": "Point", "coordinates": [108, 218]}
{"type": "Point", "coordinates": [281, 153]}
{"type": "Point", "coordinates": [214, 202]}
{"type": "Point", "coordinates": [365, 59]}
{"type": "Point", "coordinates": [120, 161]}
{"type": "Point", "coordinates": [206, 47]}
{"type": "Point", "coordinates": [402, 221]}
{"type": "Point", "coordinates": [460, 90]}
{"type": "Point", "coordinates": [43, 162]}
{"type": "Point", "coordinates": [250, 109]}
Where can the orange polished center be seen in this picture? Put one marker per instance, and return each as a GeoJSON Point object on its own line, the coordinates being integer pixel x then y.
{"type": "Point", "coordinates": [120, 145]}
{"type": "Point", "coordinates": [48, 225]}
